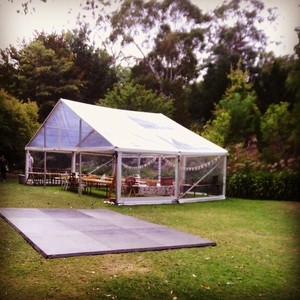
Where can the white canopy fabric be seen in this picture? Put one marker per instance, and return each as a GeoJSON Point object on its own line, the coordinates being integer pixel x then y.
{"type": "Point", "coordinates": [78, 127]}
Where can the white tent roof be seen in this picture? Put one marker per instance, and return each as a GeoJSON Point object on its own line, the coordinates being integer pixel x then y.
{"type": "Point", "coordinates": [79, 127]}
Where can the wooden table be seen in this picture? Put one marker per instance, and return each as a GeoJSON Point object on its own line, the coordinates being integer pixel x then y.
{"type": "Point", "coordinates": [95, 182]}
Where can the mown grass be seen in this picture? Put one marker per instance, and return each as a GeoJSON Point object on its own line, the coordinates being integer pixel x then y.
{"type": "Point", "coordinates": [256, 257]}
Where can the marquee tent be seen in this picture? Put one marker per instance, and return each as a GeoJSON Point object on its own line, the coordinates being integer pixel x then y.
{"type": "Point", "coordinates": [135, 140]}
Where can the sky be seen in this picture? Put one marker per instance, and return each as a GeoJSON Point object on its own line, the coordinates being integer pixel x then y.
{"type": "Point", "coordinates": [58, 15]}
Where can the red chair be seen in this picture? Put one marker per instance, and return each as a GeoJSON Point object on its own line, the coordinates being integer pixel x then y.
{"type": "Point", "coordinates": [129, 184]}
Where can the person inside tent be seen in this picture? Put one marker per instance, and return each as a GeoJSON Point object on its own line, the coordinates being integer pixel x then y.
{"type": "Point", "coordinates": [30, 163]}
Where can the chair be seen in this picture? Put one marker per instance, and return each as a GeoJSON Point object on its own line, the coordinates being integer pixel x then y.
{"type": "Point", "coordinates": [66, 183]}
{"type": "Point", "coordinates": [167, 181]}
{"type": "Point", "coordinates": [129, 185]}
{"type": "Point", "coordinates": [214, 185]}
{"type": "Point", "coordinates": [72, 184]}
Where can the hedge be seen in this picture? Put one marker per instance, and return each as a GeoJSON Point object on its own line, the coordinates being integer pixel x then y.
{"type": "Point", "coordinates": [264, 185]}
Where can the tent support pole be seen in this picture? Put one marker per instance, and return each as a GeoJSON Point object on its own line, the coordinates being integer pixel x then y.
{"type": "Point", "coordinates": [45, 154]}
{"type": "Point", "coordinates": [159, 169]}
{"type": "Point", "coordinates": [177, 178]}
{"type": "Point", "coordinates": [45, 167]}
{"type": "Point", "coordinates": [224, 175]}
{"type": "Point", "coordinates": [79, 179]}
{"type": "Point", "coordinates": [183, 168]}
{"type": "Point", "coordinates": [139, 164]}
{"type": "Point", "coordinates": [73, 163]}
{"type": "Point", "coordinates": [26, 164]}
{"type": "Point", "coordinates": [118, 173]}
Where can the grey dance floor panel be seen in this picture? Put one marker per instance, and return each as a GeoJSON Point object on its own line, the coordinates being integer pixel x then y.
{"type": "Point", "coordinates": [64, 232]}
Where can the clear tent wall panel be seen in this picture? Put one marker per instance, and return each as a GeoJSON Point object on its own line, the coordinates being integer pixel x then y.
{"type": "Point", "coordinates": [201, 176]}
{"type": "Point", "coordinates": [65, 130]}
{"type": "Point", "coordinates": [153, 176]}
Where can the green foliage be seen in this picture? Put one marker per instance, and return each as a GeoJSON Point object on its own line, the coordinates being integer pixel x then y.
{"type": "Point", "coordinates": [237, 116]}
{"type": "Point", "coordinates": [168, 35]}
{"type": "Point", "coordinates": [240, 102]}
{"type": "Point", "coordinates": [293, 80]}
{"type": "Point", "coordinates": [271, 82]}
{"type": "Point", "coordinates": [94, 67]}
{"type": "Point", "coordinates": [205, 94]}
{"type": "Point", "coordinates": [132, 96]}
{"type": "Point", "coordinates": [295, 132]}
{"type": "Point", "coordinates": [231, 42]}
{"type": "Point", "coordinates": [244, 116]}
{"type": "Point", "coordinates": [57, 66]}
{"type": "Point", "coordinates": [48, 70]}
{"type": "Point", "coordinates": [239, 83]}
{"type": "Point", "coordinates": [217, 130]}
{"type": "Point", "coordinates": [276, 127]}
{"type": "Point", "coordinates": [241, 37]}
{"type": "Point", "coordinates": [264, 185]}
{"type": "Point", "coordinates": [42, 71]}
{"type": "Point", "coordinates": [18, 122]}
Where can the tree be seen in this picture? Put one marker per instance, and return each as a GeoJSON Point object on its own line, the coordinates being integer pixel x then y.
{"type": "Point", "coordinates": [208, 92]}
{"type": "Point", "coordinates": [295, 132]}
{"type": "Point", "coordinates": [44, 72]}
{"type": "Point", "coordinates": [271, 84]}
{"type": "Point", "coordinates": [169, 35]}
{"type": "Point", "coordinates": [18, 123]}
{"type": "Point", "coordinates": [93, 67]}
{"type": "Point", "coordinates": [131, 96]}
{"type": "Point", "coordinates": [240, 102]}
{"type": "Point", "coordinates": [46, 75]}
{"type": "Point", "coordinates": [237, 111]}
{"type": "Point", "coordinates": [217, 130]}
{"type": "Point", "coordinates": [56, 66]}
{"type": "Point", "coordinates": [293, 85]}
{"type": "Point", "coordinates": [173, 31]}
{"type": "Point", "coordinates": [234, 36]}
{"type": "Point", "coordinates": [276, 128]}
{"type": "Point", "coordinates": [293, 80]}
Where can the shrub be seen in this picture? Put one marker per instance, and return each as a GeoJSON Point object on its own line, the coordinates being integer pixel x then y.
{"type": "Point", "coordinates": [264, 185]}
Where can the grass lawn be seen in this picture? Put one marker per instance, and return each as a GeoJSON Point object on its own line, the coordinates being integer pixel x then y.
{"type": "Point", "coordinates": [257, 254]}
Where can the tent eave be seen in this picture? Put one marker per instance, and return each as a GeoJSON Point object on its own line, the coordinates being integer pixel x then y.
{"type": "Point", "coordinates": [146, 151]}
{"type": "Point", "coordinates": [174, 152]}
{"type": "Point", "coordinates": [70, 150]}
{"type": "Point", "coordinates": [204, 153]}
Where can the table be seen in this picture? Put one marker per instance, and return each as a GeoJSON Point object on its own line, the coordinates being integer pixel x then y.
{"type": "Point", "coordinates": [37, 178]}
{"type": "Point", "coordinates": [95, 182]}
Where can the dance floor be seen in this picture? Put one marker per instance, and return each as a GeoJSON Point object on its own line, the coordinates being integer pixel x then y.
{"type": "Point", "coordinates": [72, 232]}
